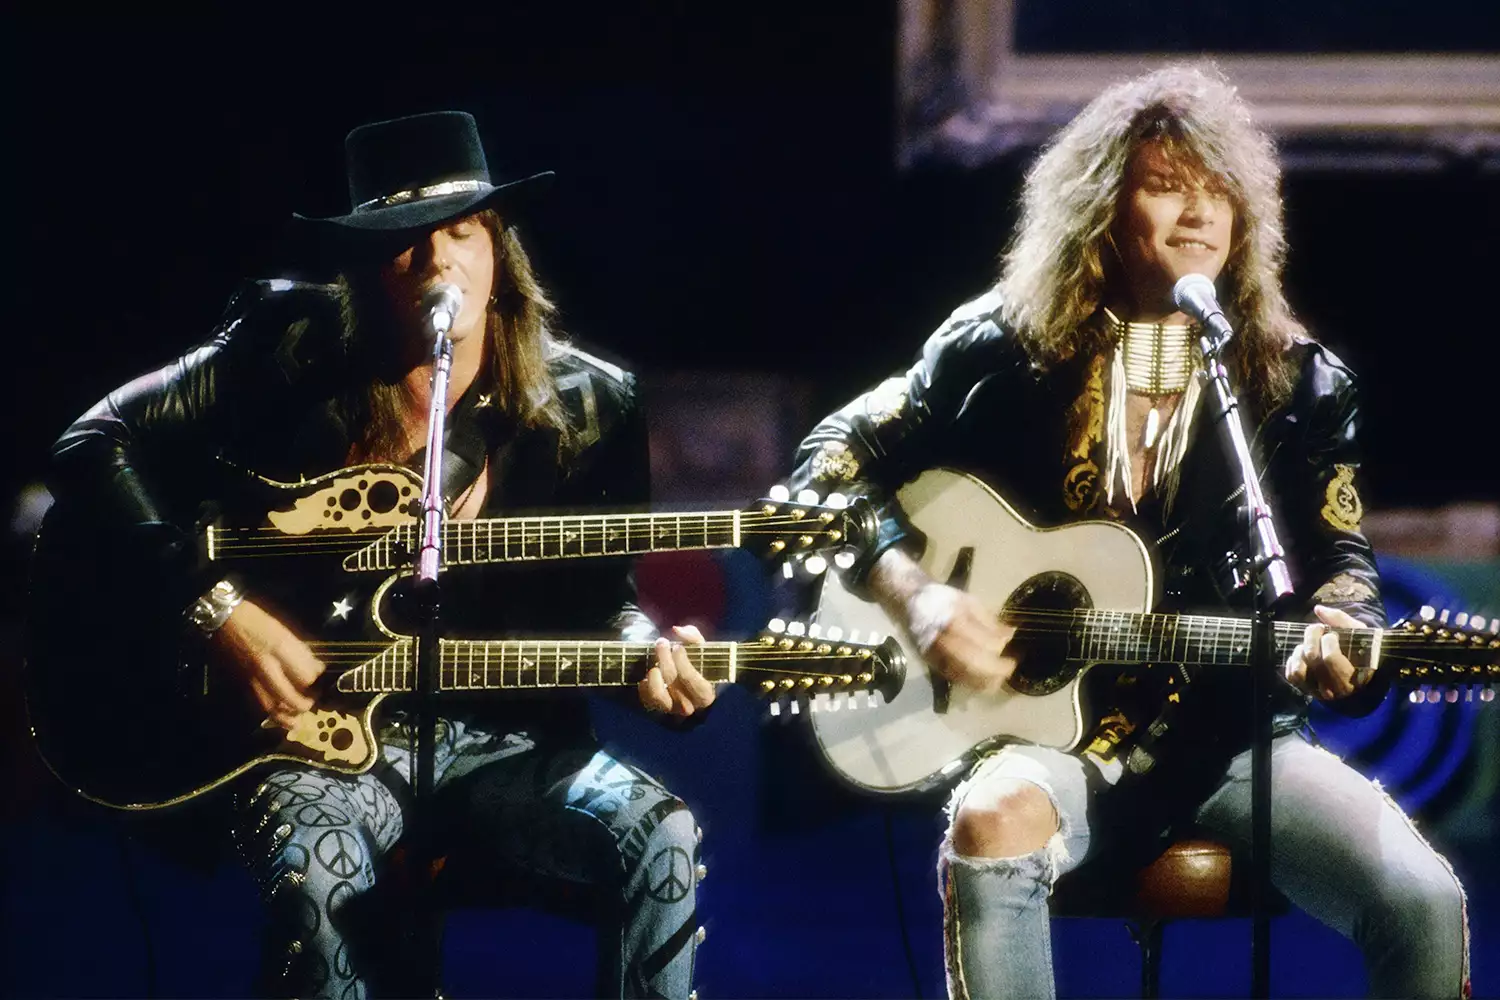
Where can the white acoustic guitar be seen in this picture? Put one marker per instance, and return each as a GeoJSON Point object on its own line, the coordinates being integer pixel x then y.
{"type": "Point", "coordinates": [1078, 595]}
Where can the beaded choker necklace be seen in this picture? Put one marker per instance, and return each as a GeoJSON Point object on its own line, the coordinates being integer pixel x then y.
{"type": "Point", "coordinates": [1156, 360]}
{"type": "Point", "coordinates": [1159, 357]}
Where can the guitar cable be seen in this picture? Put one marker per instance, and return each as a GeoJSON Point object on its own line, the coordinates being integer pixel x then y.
{"type": "Point", "coordinates": [890, 854]}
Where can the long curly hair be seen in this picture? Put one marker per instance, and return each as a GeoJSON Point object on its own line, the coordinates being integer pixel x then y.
{"type": "Point", "coordinates": [521, 332]}
{"type": "Point", "coordinates": [1058, 266]}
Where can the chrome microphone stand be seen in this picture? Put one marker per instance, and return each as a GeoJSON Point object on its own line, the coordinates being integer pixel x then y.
{"type": "Point", "coordinates": [1261, 566]}
{"type": "Point", "coordinates": [427, 604]}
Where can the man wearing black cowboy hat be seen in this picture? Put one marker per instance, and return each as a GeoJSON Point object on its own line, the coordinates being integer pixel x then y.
{"type": "Point", "coordinates": [299, 380]}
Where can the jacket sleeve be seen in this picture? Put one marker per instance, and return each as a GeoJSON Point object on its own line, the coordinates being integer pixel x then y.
{"type": "Point", "coordinates": [125, 467]}
{"type": "Point", "coordinates": [1320, 507]}
{"type": "Point", "coordinates": [614, 473]}
{"type": "Point", "coordinates": [887, 435]}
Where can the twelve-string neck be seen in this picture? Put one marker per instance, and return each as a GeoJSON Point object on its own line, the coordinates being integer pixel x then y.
{"type": "Point", "coordinates": [504, 539]}
{"type": "Point", "coordinates": [521, 664]}
{"type": "Point", "coordinates": [1133, 637]}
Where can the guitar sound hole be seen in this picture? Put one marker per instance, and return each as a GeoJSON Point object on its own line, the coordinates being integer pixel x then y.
{"type": "Point", "coordinates": [1040, 609]}
{"type": "Point", "coordinates": [383, 497]}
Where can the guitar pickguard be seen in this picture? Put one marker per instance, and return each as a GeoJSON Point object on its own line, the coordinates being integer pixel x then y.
{"type": "Point", "coordinates": [333, 737]}
{"type": "Point", "coordinates": [367, 498]}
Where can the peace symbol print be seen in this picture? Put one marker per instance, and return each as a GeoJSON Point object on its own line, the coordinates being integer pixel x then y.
{"type": "Point", "coordinates": [670, 875]}
{"type": "Point", "coordinates": [339, 852]}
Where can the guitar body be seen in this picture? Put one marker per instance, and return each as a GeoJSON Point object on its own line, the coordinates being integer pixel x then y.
{"type": "Point", "coordinates": [129, 711]}
{"type": "Point", "coordinates": [928, 731]}
{"type": "Point", "coordinates": [125, 705]}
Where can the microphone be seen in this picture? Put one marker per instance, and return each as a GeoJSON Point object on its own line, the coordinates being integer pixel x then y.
{"type": "Point", "coordinates": [1194, 294]}
{"type": "Point", "coordinates": [440, 305]}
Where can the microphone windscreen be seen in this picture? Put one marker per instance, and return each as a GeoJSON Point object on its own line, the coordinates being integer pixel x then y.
{"type": "Point", "coordinates": [1194, 294]}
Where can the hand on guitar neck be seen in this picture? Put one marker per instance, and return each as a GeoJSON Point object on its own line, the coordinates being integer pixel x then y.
{"type": "Point", "coordinates": [279, 667]}
{"type": "Point", "coordinates": [1318, 666]}
{"type": "Point", "coordinates": [954, 633]}
{"type": "Point", "coordinates": [674, 685]}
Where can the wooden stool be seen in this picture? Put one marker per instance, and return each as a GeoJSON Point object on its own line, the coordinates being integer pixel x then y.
{"type": "Point", "coordinates": [1191, 879]}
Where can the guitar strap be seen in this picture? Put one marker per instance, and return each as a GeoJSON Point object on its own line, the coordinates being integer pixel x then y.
{"type": "Point", "coordinates": [1143, 755]}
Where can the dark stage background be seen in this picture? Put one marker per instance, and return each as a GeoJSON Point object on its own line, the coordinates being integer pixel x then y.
{"type": "Point", "coordinates": [728, 213]}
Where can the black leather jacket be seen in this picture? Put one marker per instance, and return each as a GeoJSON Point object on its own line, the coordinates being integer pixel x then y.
{"type": "Point", "coordinates": [974, 401]}
{"type": "Point", "coordinates": [268, 393]}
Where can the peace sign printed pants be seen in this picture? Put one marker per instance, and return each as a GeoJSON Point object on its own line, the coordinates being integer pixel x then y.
{"type": "Point", "coordinates": [565, 815]}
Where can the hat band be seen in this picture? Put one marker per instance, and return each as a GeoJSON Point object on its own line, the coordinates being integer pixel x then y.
{"type": "Point", "coordinates": [422, 193]}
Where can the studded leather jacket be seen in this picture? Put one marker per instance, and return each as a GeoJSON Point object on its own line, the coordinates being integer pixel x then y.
{"type": "Point", "coordinates": [974, 401]}
{"type": "Point", "coordinates": [269, 393]}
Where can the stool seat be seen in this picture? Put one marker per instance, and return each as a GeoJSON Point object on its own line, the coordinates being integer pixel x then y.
{"type": "Point", "coordinates": [1191, 878]}
{"type": "Point", "coordinates": [1194, 878]}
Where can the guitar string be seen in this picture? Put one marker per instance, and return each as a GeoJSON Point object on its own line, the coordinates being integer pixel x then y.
{"type": "Point", "coordinates": [480, 540]}
{"type": "Point", "coordinates": [590, 522]}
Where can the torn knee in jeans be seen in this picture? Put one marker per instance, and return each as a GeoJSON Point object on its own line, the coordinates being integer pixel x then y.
{"type": "Point", "coordinates": [1043, 865]}
{"type": "Point", "coordinates": [1053, 853]}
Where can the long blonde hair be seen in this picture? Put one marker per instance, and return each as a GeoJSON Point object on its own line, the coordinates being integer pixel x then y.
{"type": "Point", "coordinates": [1055, 272]}
{"type": "Point", "coordinates": [519, 327]}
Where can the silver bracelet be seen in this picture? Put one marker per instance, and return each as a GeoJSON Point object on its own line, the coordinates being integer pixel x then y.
{"type": "Point", "coordinates": [209, 612]}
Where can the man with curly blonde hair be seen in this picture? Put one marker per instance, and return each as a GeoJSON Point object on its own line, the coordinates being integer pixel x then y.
{"type": "Point", "coordinates": [1072, 386]}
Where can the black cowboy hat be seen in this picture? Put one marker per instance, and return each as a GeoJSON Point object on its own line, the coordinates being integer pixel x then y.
{"type": "Point", "coordinates": [415, 173]}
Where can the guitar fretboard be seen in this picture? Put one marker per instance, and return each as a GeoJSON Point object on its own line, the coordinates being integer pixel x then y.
{"type": "Point", "coordinates": [1132, 637]}
{"type": "Point", "coordinates": [507, 539]}
{"type": "Point", "coordinates": [519, 664]}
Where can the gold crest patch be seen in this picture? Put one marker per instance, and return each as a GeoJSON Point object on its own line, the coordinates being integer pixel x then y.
{"type": "Point", "coordinates": [1081, 486]}
{"type": "Point", "coordinates": [1344, 589]}
{"type": "Point", "coordinates": [1342, 508]}
{"type": "Point", "coordinates": [886, 401]}
{"type": "Point", "coordinates": [834, 461]}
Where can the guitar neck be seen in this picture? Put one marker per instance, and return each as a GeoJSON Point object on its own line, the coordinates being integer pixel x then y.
{"type": "Point", "coordinates": [513, 539]}
{"type": "Point", "coordinates": [1132, 637]}
{"type": "Point", "coordinates": [520, 664]}
{"type": "Point", "coordinates": [775, 664]}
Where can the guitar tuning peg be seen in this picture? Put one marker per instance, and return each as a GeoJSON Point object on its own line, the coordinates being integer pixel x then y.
{"type": "Point", "coordinates": [1427, 613]}
{"type": "Point", "coordinates": [1477, 622]}
{"type": "Point", "coordinates": [1450, 696]}
{"type": "Point", "coordinates": [815, 565]}
{"type": "Point", "coordinates": [796, 708]}
{"type": "Point", "coordinates": [1461, 619]}
{"type": "Point", "coordinates": [843, 560]}
{"type": "Point", "coordinates": [776, 625]}
{"type": "Point", "coordinates": [796, 628]}
{"type": "Point", "coordinates": [837, 501]}
{"type": "Point", "coordinates": [775, 708]}
{"type": "Point", "coordinates": [1443, 617]}
{"type": "Point", "coordinates": [834, 633]}
{"type": "Point", "coordinates": [809, 497]}
{"type": "Point", "coordinates": [814, 630]}
{"type": "Point", "coordinates": [779, 493]}
{"type": "Point", "coordinates": [1488, 694]}
{"type": "Point", "coordinates": [1415, 697]}
{"type": "Point", "coordinates": [787, 570]}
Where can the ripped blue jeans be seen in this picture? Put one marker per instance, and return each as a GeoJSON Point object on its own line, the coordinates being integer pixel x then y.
{"type": "Point", "coordinates": [1341, 850]}
{"type": "Point", "coordinates": [316, 841]}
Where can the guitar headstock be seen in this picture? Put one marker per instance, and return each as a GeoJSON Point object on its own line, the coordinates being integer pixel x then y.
{"type": "Point", "coordinates": [802, 527]}
{"type": "Point", "coordinates": [1445, 657]}
{"type": "Point", "coordinates": [798, 660]}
